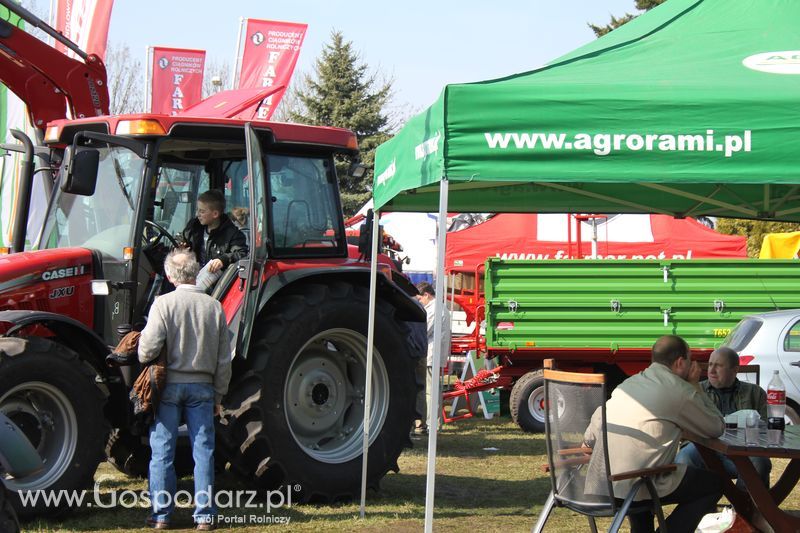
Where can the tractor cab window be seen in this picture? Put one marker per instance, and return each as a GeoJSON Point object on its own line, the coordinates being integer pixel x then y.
{"type": "Point", "coordinates": [179, 186]}
{"type": "Point", "coordinates": [104, 220]}
{"type": "Point", "coordinates": [237, 193]}
{"type": "Point", "coordinates": [176, 192]}
{"type": "Point", "coordinates": [306, 218]}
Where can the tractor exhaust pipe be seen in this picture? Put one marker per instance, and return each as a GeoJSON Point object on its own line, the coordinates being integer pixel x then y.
{"type": "Point", "coordinates": [24, 194]}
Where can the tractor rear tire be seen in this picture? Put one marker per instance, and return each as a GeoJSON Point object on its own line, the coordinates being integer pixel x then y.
{"type": "Point", "coordinates": [51, 394]}
{"type": "Point", "coordinates": [294, 420]}
{"type": "Point", "coordinates": [527, 402]}
{"type": "Point", "coordinates": [128, 454]}
{"type": "Point", "coordinates": [8, 518]}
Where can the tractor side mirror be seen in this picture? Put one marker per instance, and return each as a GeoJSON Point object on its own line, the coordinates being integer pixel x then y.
{"type": "Point", "coordinates": [81, 164]}
{"type": "Point", "coordinates": [357, 170]}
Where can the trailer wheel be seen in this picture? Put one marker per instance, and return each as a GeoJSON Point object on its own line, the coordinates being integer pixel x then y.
{"type": "Point", "coordinates": [51, 395]}
{"type": "Point", "coordinates": [128, 454]}
{"type": "Point", "coordinates": [296, 418]}
{"type": "Point", "coordinates": [527, 402]}
{"type": "Point", "coordinates": [8, 518]}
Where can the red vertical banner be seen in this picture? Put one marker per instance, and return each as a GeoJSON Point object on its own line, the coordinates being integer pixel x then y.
{"type": "Point", "coordinates": [268, 57]}
{"type": "Point", "coordinates": [176, 80]}
{"type": "Point", "coordinates": [84, 22]}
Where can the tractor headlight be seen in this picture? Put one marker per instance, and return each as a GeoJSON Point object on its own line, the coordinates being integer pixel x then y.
{"type": "Point", "coordinates": [100, 287]}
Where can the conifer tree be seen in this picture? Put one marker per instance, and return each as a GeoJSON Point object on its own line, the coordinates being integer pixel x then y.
{"type": "Point", "coordinates": [342, 92]}
{"type": "Point", "coordinates": [616, 22]}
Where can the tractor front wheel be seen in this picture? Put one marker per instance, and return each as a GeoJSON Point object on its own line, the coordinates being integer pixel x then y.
{"type": "Point", "coordinates": [52, 396]}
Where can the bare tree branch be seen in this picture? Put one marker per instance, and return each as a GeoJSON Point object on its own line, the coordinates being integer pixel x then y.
{"type": "Point", "coordinates": [290, 104]}
{"type": "Point", "coordinates": [216, 69]}
{"type": "Point", "coordinates": [125, 80]}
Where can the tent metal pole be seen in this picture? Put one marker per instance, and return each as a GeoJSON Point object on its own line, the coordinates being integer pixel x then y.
{"type": "Point", "coordinates": [785, 197]}
{"type": "Point", "coordinates": [697, 197]}
{"type": "Point", "coordinates": [439, 310]}
{"type": "Point", "coordinates": [373, 282]}
{"type": "Point", "coordinates": [641, 207]}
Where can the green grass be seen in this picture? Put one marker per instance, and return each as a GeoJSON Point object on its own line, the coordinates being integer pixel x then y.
{"type": "Point", "coordinates": [476, 489]}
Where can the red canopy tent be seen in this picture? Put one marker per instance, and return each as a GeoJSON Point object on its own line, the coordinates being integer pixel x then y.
{"type": "Point", "coordinates": [532, 236]}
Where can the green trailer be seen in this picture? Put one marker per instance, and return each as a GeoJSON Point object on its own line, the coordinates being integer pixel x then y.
{"type": "Point", "coordinates": [603, 316]}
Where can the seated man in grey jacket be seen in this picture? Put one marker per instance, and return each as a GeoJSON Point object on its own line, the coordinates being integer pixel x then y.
{"type": "Point", "coordinates": [192, 325]}
{"type": "Point", "coordinates": [646, 416]}
{"type": "Point", "coordinates": [729, 395]}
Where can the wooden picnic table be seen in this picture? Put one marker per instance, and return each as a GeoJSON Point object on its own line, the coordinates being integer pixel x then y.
{"type": "Point", "coordinates": [758, 499]}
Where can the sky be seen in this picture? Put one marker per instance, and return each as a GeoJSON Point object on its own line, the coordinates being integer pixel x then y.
{"type": "Point", "coordinates": [421, 45]}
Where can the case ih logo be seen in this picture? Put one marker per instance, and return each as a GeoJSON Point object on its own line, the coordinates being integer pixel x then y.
{"type": "Point", "coordinates": [257, 38]}
{"type": "Point", "coordinates": [163, 63]}
{"type": "Point", "coordinates": [63, 273]}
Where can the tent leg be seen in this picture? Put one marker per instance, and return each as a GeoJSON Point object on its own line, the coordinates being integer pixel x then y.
{"type": "Point", "coordinates": [373, 275]}
{"type": "Point", "coordinates": [439, 309]}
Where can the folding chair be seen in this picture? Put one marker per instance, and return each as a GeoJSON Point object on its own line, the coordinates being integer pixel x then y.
{"type": "Point", "coordinates": [580, 477]}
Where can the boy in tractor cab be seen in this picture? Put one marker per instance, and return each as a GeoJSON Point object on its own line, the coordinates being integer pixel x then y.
{"type": "Point", "coordinates": [213, 237]}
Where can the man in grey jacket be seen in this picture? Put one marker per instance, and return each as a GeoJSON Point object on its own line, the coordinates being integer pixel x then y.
{"type": "Point", "coordinates": [645, 418]}
{"type": "Point", "coordinates": [193, 327]}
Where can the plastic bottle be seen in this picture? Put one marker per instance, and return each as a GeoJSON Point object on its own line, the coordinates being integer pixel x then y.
{"type": "Point", "coordinates": [776, 397]}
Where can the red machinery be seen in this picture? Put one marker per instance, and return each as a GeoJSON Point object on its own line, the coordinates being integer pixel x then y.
{"type": "Point", "coordinates": [124, 185]}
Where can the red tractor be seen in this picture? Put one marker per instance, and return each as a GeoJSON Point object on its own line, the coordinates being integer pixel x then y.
{"type": "Point", "coordinates": [123, 186]}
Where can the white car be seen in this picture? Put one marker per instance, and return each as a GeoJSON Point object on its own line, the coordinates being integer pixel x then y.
{"type": "Point", "coordinates": [772, 341]}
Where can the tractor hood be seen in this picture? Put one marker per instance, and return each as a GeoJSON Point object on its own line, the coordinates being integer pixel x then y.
{"type": "Point", "coordinates": [48, 266]}
{"type": "Point", "coordinates": [53, 281]}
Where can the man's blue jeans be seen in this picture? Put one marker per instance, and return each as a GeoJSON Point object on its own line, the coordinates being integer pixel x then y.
{"type": "Point", "coordinates": [195, 401]}
{"type": "Point", "coordinates": [690, 456]}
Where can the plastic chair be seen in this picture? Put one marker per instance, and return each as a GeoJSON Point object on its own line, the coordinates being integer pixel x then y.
{"type": "Point", "coordinates": [580, 477]}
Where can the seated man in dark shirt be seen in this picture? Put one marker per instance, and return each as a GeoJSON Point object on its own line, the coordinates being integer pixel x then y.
{"type": "Point", "coordinates": [729, 395]}
{"type": "Point", "coordinates": [212, 236]}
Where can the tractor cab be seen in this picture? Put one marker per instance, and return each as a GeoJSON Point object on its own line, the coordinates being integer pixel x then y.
{"type": "Point", "coordinates": [125, 198]}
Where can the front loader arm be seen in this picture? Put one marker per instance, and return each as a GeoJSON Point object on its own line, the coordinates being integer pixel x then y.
{"type": "Point", "coordinates": [47, 80]}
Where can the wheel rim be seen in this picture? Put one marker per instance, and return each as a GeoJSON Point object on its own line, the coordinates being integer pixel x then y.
{"type": "Point", "coordinates": [536, 404]}
{"type": "Point", "coordinates": [46, 416]}
{"type": "Point", "coordinates": [324, 395]}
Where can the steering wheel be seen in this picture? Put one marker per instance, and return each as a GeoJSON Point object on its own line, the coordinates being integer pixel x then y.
{"type": "Point", "coordinates": [153, 233]}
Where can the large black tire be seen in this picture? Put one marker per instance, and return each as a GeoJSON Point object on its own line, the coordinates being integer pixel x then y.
{"type": "Point", "coordinates": [128, 454]}
{"type": "Point", "coordinates": [8, 518]}
{"type": "Point", "coordinates": [527, 402]}
{"type": "Point", "coordinates": [296, 417]}
{"type": "Point", "coordinates": [52, 395]}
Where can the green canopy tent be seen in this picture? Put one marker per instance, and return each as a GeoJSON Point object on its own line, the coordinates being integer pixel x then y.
{"type": "Point", "coordinates": [691, 109]}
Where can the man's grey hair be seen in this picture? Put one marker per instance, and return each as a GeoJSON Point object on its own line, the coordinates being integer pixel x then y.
{"type": "Point", "coordinates": [181, 267]}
